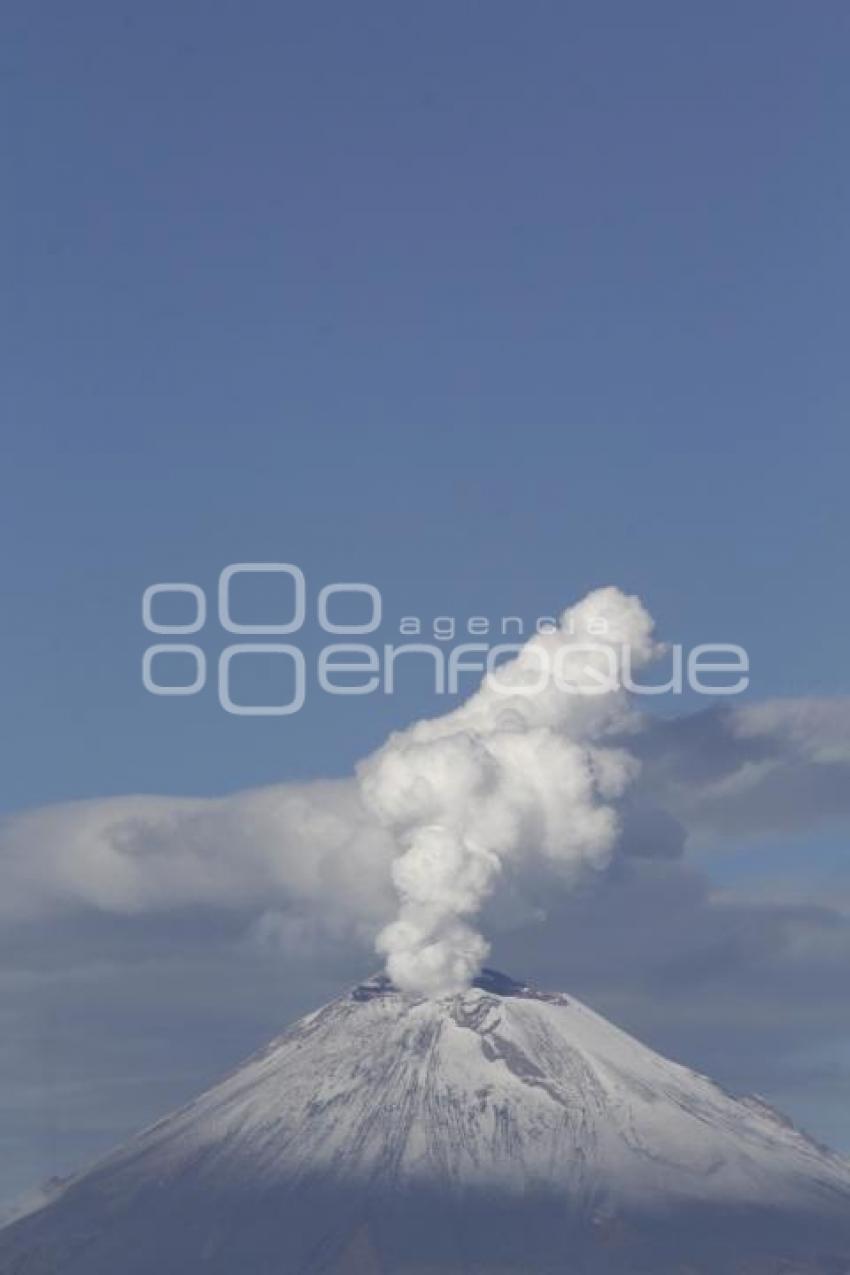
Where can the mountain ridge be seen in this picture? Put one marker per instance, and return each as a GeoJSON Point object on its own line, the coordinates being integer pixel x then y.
{"type": "Point", "coordinates": [503, 1124]}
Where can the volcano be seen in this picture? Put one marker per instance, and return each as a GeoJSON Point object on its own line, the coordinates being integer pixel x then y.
{"type": "Point", "coordinates": [497, 1131]}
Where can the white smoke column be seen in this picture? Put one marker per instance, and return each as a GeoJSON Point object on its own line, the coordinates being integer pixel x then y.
{"type": "Point", "coordinates": [521, 768]}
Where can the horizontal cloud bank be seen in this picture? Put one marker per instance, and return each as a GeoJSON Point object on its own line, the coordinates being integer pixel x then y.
{"type": "Point", "coordinates": [340, 861]}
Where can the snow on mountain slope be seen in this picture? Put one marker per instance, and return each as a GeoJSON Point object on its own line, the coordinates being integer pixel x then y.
{"type": "Point", "coordinates": [387, 1134]}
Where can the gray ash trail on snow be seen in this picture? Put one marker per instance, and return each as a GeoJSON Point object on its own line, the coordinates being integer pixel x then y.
{"type": "Point", "coordinates": [524, 768]}
{"type": "Point", "coordinates": [500, 1128]}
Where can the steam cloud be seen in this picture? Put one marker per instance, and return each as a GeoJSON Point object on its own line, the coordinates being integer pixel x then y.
{"type": "Point", "coordinates": [507, 791]}
{"type": "Point", "coordinates": [521, 768]}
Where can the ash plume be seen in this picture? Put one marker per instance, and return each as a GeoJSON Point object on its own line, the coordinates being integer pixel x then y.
{"type": "Point", "coordinates": [521, 768]}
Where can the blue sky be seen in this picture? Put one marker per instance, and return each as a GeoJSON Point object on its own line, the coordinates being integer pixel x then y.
{"type": "Point", "coordinates": [484, 304]}
{"type": "Point", "coordinates": [485, 310]}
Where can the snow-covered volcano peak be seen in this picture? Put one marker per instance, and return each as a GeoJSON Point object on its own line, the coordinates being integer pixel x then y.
{"type": "Point", "coordinates": [444, 1131]}
{"type": "Point", "coordinates": [491, 981]}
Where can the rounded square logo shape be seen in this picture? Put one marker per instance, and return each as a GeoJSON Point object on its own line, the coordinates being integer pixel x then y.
{"type": "Point", "coordinates": [262, 710]}
{"type": "Point", "coordinates": [173, 648]}
{"type": "Point", "coordinates": [262, 568]}
{"type": "Point", "coordinates": [193, 590]}
{"type": "Point", "coordinates": [369, 590]}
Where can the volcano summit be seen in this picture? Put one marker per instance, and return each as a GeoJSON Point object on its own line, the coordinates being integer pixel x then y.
{"type": "Point", "coordinates": [494, 1131]}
